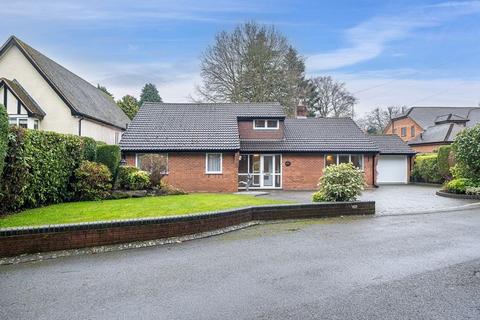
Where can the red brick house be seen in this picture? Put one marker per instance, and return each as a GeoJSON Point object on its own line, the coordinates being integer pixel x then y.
{"type": "Point", "coordinates": [425, 129]}
{"type": "Point", "coordinates": [218, 147]}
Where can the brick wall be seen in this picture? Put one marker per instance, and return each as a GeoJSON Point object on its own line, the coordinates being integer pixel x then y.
{"type": "Point", "coordinates": [186, 170]}
{"type": "Point", "coordinates": [40, 239]}
{"type": "Point", "coordinates": [246, 131]}
{"type": "Point", "coordinates": [400, 123]}
{"type": "Point", "coordinates": [306, 168]}
{"type": "Point", "coordinates": [427, 148]}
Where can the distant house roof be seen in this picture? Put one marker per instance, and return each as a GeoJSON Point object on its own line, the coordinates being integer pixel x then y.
{"type": "Point", "coordinates": [426, 116]}
{"type": "Point", "coordinates": [81, 97]}
{"type": "Point", "coordinates": [315, 135]}
{"type": "Point", "coordinates": [196, 127]}
{"type": "Point", "coordinates": [391, 144]}
{"type": "Point", "coordinates": [440, 133]}
{"type": "Point", "coordinates": [21, 94]}
{"type": "Point", "coordinates": [192, 126]}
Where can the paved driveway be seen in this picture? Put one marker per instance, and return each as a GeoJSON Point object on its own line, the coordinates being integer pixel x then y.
{"type": "Point", "coordinates": [390, 199]}
{"type": "Point", "coordinates": [423, 266]}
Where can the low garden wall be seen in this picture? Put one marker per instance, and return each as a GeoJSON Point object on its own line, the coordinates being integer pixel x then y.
{"type": "Point", "coordinates": [458, 195]}
{"type": "Point", "coordinates": [16, 241]}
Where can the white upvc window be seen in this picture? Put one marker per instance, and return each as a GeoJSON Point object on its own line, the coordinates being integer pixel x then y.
{"type": "Point", "coordinates": [213, 163]}
{"type": "Point", "coordinates": [20, 121]}
{"type": "Point", "coordinates": [355, 159]}
{"type": "Point", "coordinates": [265, 124]}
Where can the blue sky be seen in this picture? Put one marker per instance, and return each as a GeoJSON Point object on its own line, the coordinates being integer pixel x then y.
{"type": "Point", "coordinates": [387, 53]}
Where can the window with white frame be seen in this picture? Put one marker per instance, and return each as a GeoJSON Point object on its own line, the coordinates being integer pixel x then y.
{"type": "Point", "coordinates": [269, 124]}
{"type": "Point", "coordinates": [152, 162]}
{"type": "Point", "coordinates": [213, 163]}
{"type": "Point", "coordinates": [18, 121]}
{"type": "Point", "coordinates": [355, 159]}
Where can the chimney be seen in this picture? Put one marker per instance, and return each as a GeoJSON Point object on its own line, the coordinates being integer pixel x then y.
{"type": "Point", "coordinates": [301, 110]}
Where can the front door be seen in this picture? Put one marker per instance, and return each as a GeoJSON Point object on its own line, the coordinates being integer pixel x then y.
{"type": "Point", "coordinates": [267, 171]}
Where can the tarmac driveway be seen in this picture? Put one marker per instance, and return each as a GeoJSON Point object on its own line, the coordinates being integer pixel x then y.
{"type": "Point", "coordinates": [389, 199]}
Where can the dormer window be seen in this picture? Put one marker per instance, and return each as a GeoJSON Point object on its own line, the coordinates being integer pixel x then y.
{"type": "Point", "coordinates": [265, 124]}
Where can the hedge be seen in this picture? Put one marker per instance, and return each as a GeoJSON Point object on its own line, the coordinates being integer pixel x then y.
{"type": "Point", "coordinates": [3, 137]}
{"type": "Point", "coordinates": [425, 169]}
{"type": "Point", "coordinates": [444, 162]}
{"type": "Point", "coordinates": [39, 168]}
{"type": "Point", "coordinates": [89, 149]}
{"type": "Point", "coordinates": [110, 156]}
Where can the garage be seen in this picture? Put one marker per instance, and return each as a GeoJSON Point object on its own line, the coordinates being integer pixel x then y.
{"type": "Point", "coordinates": [393, 160]}
{"type": "Point", "coordinates": [392, 169]}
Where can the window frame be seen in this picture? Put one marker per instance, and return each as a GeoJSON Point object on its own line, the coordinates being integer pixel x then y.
{"type": "Point", "coordinates": [403, 131]}
{"type": "Point", "coordinates": [143, 153]}
{"type": "Point", "coordinates": [17, 118]}
{"type": "Point", "coordinates": [206, 163]}
{"type": "Point", "coordinates": [266, 127]}
{"type": "Point", "coordinates": [412, 131]}
{"type": "Point", "coordinates": [337, 157]}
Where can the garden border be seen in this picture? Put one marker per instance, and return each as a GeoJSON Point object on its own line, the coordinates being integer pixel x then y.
{"type": "Point", "coordinates": [16, 241]}
{"type": "Point", "coordinates": [458, 195]}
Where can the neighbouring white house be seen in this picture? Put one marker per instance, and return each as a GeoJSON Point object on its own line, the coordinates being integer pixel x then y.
{"type": "Point", "coordinates": [38, 93]}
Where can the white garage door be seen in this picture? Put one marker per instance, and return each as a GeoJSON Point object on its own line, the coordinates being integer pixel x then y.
{"type": "Point", "coordinates": [392, 169]}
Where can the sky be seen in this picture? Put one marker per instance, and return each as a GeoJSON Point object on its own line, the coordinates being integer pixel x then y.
{"type": "Point", "coordinates": [422, 53]}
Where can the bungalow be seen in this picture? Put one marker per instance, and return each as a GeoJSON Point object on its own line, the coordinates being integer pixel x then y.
{"type": "Point", "coordinates": [221, 147]}
{"type": "Point", "coordinates": [38, 93]}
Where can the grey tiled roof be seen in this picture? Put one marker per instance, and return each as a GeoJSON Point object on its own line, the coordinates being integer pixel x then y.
{"type": "Point", "coordinates": [191, 126]}
{"type": "Point", "coordinates": [316, 135]}
{"type": "Point", "coordinates": [391, 144]}
{"type": "Point", "coordinates": [82, 97]}
{"type": "Point", "coordinates": [426, 116]}
{"type": "Point", "coordinates": [30, 104]}
{"type": "Point", "coordinates": [445, 132]}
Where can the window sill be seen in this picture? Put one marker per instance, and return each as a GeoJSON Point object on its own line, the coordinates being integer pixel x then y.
{"type": "Point", "coordinates": [213, 173]}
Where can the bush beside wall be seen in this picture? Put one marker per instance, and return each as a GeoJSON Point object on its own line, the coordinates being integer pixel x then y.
{"type": "Point", "coordinates": [3, 137]}
{"type": "Point", "coordinates": [110, 156]}
{"type": "Point", "coordinates": [38, 168]}
{"type": "Point", "coordinates": [426, 170]}
{"type": "Point", "coordinates": [444, 162]}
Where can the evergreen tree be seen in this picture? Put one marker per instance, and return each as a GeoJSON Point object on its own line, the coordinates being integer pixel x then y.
{"type": "Point", "coordinates": [149, 94]}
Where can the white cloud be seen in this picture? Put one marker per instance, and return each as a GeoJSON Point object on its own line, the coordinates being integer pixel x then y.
{"type": "Point", "coordinates": [369, 39]}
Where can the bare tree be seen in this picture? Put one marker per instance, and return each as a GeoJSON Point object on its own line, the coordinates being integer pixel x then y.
{"type": "Point", "coordinates": [377, 120]}
{"type": "Point", "coordinates": [254, 63]}
{"type": "Point", "coordinates": [329, 98]}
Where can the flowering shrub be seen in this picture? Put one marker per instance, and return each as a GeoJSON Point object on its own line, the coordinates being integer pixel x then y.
{"type": "Point", "coordinates": [132, 178]}
{"type": "Point", "coordinates": [343, 182]}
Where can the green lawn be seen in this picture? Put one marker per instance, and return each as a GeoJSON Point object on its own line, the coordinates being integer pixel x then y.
{"type": "Point", "coordinates": [131, 208]}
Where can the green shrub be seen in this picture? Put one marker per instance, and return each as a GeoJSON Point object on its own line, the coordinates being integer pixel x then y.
{"type": "Point", "coordinates": [39, 168]}
{"type": "Point", "coordinates": [89, 149]}
{"type": "Point", "coordinates": [459, 171]}
{"type": "Point", "coordinates": [92, 181]}
{"type": "Point", "coordinates": [467, 150]}
{"type": "Point", "coordinates": [343, 182]}
{"type": "Point", "coordinates": [132, 178]}
{"type": "Point", "coordinates": [110, 156]}
{"type": "Point", "coordinates": [444, 162]}
{"type": "Point", "coordinates": [425, 169]}
{"type": "Point", "coordinates": [3, 137]}
{"type": "Point", "coordinates": [459, 185]}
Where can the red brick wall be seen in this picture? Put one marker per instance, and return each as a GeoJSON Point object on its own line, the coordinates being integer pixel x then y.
{"type": "Point", "coordinates": [307, 168]}
{"type": "Point", "coordinates": [246, 131]}
{"type": "Point", "coordinates": [427, 148]}
{"type": "Point", "coordinates": [187, 171]}
{"type": "Point", "coordinates": [16, 242]}
{"type": "Point", "coordinates": [399, 124]}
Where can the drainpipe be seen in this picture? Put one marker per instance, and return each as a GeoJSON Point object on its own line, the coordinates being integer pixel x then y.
{"type": "Point", "coordinates": [374, 170]}
{"type": "Point", "coordinates": [80, 126]}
